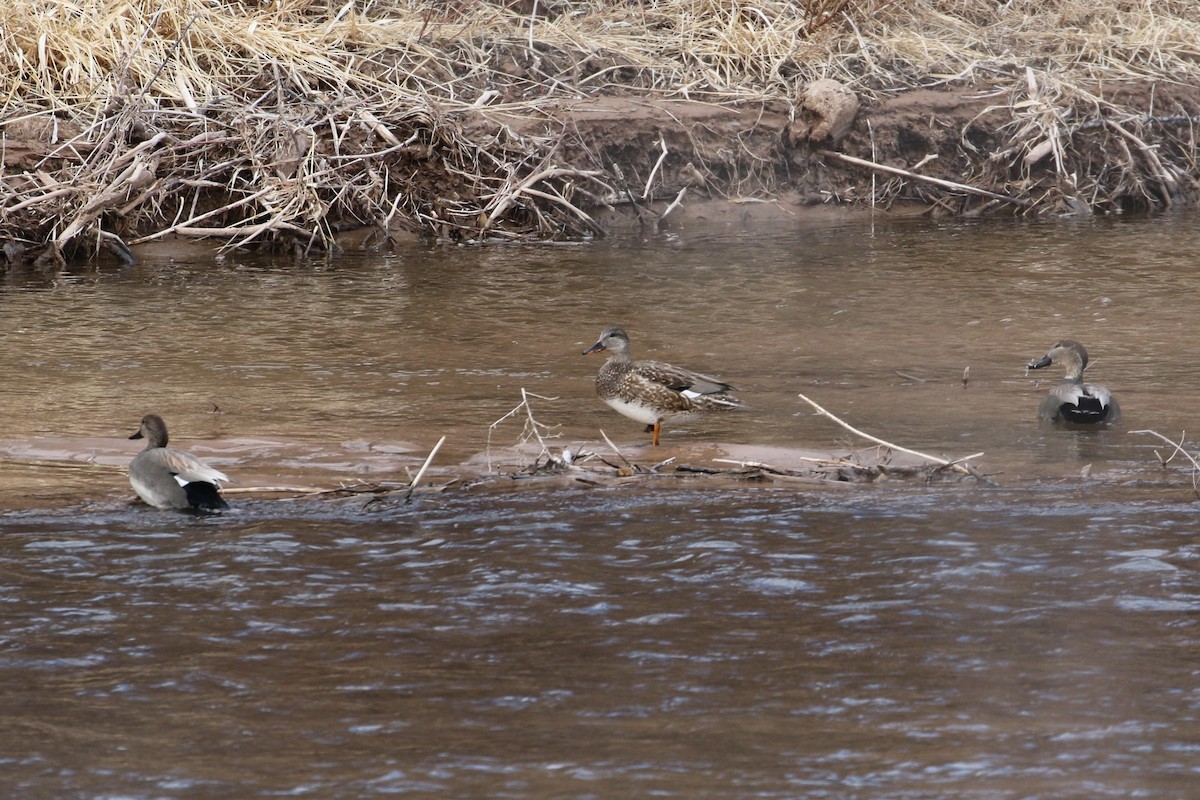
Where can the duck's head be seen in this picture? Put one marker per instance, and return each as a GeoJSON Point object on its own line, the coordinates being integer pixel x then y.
{"type": "Point", "coordinates": [613, 339]}
{"type": "Point", "coordinates": [1068, 352]}
{"type": "Point", "coordinates": [153, 429]}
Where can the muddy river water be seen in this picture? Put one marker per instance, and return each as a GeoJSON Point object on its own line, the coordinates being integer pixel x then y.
{"type": "Point", "coordinates": [681, 638]}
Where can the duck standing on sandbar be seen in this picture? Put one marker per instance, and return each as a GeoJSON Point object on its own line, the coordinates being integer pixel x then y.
{"type": "Point", "coordinates": [1072, 400]}
{"type": "Point", "coordinates": [166, 478]}
{"type": "Point", "coordinates": [652, 392]}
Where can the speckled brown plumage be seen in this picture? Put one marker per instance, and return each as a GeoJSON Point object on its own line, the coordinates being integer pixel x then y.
{"type": "Point", "coordinates": [652, 392]}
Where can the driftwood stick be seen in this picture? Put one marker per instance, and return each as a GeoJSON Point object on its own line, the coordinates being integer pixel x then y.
{"type": "Point", "coordinates": [272, 490]}
{"type": "Point", "coordinates": [41, 198]}
{"type": "Point", "coordinates": [191, 223]}
{"type": "Point", "coordinates": [555, 197]}
{"type": "Point", "coordinates": [674, 204]}
{"type": "Point", "coordinates": [616, 450]}
{"type": "Point", "coordinates": [247, 231]}
{"type": "Point", "coordinates": [957, 464]}
{"type": "Point", "coordinates": [961, 187]}
{"type": "Point", "coordinates": [806, 459]}
{"type": "Point", "coordinates": [412, 487]}
{"type": "Point", "coordinates": [662, 140]}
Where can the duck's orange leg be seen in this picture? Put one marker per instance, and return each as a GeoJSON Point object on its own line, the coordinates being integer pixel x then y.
{"type": "Point", "coordinates": [657, 428]}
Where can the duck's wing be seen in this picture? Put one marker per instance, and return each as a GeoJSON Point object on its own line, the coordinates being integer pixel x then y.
{"type": "Point", "coordinates": [1114, 408]}
{"type": "Point", "coordinates": [1104, 397]}
{"type": "Point", "coordinates": [1080, 394]}
{"type": "Point", "coordinates": [1069, 392]}
{"type": "Point", "coordinates": [186, 468]}
{"type": "Point", "coordinates": [678, 379]}
{"type": "Point", "coordinates": [1075, 401]}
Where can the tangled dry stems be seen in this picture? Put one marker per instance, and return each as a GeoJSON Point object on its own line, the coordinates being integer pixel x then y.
{"type": "Point", "coordinates": [288, 121]}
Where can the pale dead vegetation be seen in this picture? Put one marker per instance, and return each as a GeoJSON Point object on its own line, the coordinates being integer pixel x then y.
{"type": "Point", "coordinates": [1177, 450]}
{"type": "Point", "coordinates": [533, 456]}
{"type": "Point", "coordinates": [287, 122]}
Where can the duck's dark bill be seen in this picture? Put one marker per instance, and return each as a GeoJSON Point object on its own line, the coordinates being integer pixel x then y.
{"type": "Point", "coordinates": [1044, 361]}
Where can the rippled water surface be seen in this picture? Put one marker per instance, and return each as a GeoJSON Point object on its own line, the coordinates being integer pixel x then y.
{"type": "Point", "coordinates": [671, 638]}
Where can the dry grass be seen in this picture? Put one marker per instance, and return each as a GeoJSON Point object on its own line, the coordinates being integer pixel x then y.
{"type": "Point", "coordinates": [287, 120]}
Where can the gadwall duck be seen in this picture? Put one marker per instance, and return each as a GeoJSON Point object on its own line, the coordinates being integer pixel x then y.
{"type": "Point", "coordinates": [652, 392]}
{"type": "Point", "coordinates": [1072, 400]}
{"type": "Point", "coordinates": [166, 478]}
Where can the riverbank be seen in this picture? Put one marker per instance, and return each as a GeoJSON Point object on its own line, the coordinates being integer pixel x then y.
{"type": "Point", "coordinates": [288, 124]}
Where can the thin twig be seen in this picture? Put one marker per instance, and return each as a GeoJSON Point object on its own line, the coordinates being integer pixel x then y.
{"type": "Point", "coordinates": [961, 187]}
{"type": "Point", "coordinates": [412, 487]}
{"type": "Point", "coordinates": [190, 223]}
{"type": "Point", "coordinates": [272, 490]}
{"type": "Point", "coordinates": [531, 430]}
{"type": "Point", "coordinates": [663, 463]}
{"type": "Point", "coordinates": [662, 141]}
{"type": "Point", "coordinates": [533, 423]}
{"type": "Point", "coordinates": [674, 204]}
{"type": "Point", "coordinates": [532, 19]}
{"type": "Point", "coordinates": [1179, 449]}
{"type": "Point", "coordinates": [616, 450]}
{"type": "Point", "coordinates": [956, 464]}
{"type": "Point", "coordinates": [508, 199]}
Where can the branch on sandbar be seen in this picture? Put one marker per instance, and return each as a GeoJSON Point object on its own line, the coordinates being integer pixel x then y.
{"type": "Point", "coordinates": [958, 464]}
{"type": "Point", "coordinates": [412, 487]}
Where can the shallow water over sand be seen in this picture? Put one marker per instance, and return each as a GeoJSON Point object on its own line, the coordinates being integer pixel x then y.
{"type": "Point", "coordinates": [668, 638]}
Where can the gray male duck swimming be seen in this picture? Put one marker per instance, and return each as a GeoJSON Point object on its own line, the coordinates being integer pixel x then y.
{"type": "Point", "coordinates": [652, 392]}
{"type": "Point", "coordinates": [166, 478]}
{"type": "Point", "coordinates": [1073, 400]}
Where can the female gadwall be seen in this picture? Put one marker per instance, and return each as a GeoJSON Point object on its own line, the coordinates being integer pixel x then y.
{"type": "Point", "coordinates": [1072, 400]}
{"type": "Point", "coordinates": [166, 478]}
{"type": "Point", "coordinates": [652, 392]}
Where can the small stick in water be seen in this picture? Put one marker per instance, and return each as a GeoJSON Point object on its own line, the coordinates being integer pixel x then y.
{"type": "Point", "coordinates": [412, 487]}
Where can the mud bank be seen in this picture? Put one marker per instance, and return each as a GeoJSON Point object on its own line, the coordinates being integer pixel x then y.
{"type": "Point", "coordinates": [286, 127]}
{"type": "Point", "coordinates": [605, 164]}
{"type": "Point", "coordinates": [946, 152]}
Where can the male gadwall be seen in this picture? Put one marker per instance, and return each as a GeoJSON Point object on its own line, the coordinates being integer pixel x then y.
{"type": "Point", "coordinates": [166, 478]}
{"type": "Point", "coordinates": [652, 392]}
{"type": "Point", "coordinates": [1072, 400]}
